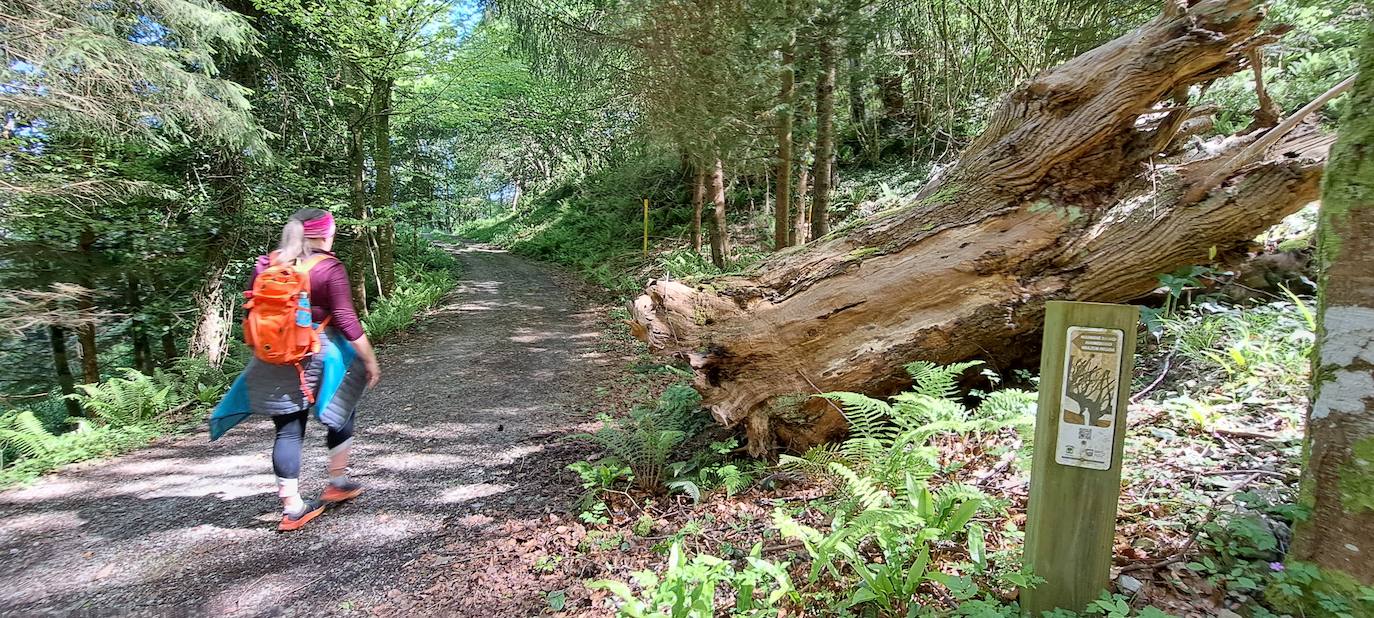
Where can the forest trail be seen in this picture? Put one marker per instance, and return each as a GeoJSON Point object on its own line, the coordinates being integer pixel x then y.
{"type": "Point", "coordinates": [464, 428]}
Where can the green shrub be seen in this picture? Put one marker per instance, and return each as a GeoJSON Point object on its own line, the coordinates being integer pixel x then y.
{"type": "Point", "coordinates": [689, 588]}
{"type": "Point", "coordinates": [1254, 349]}
{"type": "Point", "coordinates": [712, 468]}
{"type": "Point", "coordinates": [423, 276]}
{"type": "Point", "coordinates": [644, 440]}
{"type": "Point", "coordinates": [28, 449]}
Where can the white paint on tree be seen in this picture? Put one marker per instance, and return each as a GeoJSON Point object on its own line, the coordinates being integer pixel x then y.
{"type": "Point", "coordinates": [1343, 394]}
{"type": "Point", "coordinates": [1349, 335]}
{"type": "Point", "coordinates": [1088, 403]}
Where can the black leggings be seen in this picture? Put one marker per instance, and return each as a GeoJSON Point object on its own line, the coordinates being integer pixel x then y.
{"type": "Point", "coordinates": [286, 451]}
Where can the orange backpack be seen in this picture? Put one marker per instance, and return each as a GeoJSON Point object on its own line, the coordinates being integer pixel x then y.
{"type": "Point", "coordinates": [279, 327]}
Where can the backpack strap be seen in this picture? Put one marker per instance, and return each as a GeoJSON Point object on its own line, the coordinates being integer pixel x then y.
{"type": "Point", "coordinates": [305, 265]}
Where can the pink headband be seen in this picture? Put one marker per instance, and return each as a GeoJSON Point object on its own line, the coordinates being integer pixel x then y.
{"type": "Point", "coordinates": [322, 227]}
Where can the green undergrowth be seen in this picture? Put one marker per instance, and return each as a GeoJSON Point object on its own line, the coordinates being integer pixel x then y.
{"type": "Point", "coordinates": [124, 413]}
{"type": "Point", "coordinates": [921, 511]}
{"type": "Point", "coordinates": [595, 226]}
{"type": "Point", "coordinates": [899, 529]}
{"type": "Point", "coordinates": [423, 276]}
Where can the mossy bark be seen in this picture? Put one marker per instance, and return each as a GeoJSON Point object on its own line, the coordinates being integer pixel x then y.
{"type": "Point", "coordinates": [1338, 478]}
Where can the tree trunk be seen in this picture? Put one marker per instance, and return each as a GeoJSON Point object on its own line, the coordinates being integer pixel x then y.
{"type": "Point", "coordinates": [782, 222]}
{"type": "Point", "coordinates": [1049, 203]}
{"type": "Point", "coordinates": [854, 50]}
{"type": "Point", "coordinates": [215, 310]}
{"type": "Point", "coordinates": [210, 339]}
{"type": "Point", "coordinates": [138, 328]}
{"type": "Point", "coordinates": [698, 198]}
{"type": "Point", "coordinates": [894, 101]}
{"type": "Point", "coordinates": [1268, 113]}
{"type": "Point", "coordinates": [383, 194]}
{"type": "Point", "coordinates": [57, 341]}
{"type": "Point", "coordinates": [1338, 479]}
{"type": "Point", "coordinates": [85, 334]}
{"type": "Point", "coordinates": [360, 247]}
{"type": "Point", "coordinates": [802, 225]}
{"type": "Point", "coordinates": [169, 347]}
{"type": "Point", "coordinates": [825, 138]}
{"type": "Point", "coordinates": [720, 229]}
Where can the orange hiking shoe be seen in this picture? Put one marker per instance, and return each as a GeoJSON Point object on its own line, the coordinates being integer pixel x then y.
{"type": "Point", "coordinates": [338, 493]}
{"type": "Point", "coordinates": [295, 522]}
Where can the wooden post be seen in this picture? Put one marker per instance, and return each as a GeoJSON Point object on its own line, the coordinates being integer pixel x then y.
{"type": "Point", "coordinates": [646, 227]}
{"type": "Point", "coordinates": [1085, 382]}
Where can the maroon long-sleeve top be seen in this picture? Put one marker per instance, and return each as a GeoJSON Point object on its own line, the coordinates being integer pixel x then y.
{"type": "Point", "coordinates": [330, 294]}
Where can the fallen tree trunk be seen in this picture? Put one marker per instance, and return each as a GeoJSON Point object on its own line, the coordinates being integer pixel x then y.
{"type": "Point", "coordinates": [1067, 195]}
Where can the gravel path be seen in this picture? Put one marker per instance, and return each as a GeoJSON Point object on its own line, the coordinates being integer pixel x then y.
{"type": "Point", "coordinates": [464, 425]}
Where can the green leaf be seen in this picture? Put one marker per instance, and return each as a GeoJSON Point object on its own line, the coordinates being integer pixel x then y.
{"type": "Point", "coordinates": [557, 599]}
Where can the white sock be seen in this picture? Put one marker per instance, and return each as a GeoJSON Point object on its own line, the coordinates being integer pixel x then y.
{"type": "Point", "coordinates": [289, 492]}
{"type": "Point", "coordinates": [338, 463]}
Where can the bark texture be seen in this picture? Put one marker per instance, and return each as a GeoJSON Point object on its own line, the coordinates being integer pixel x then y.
{"type": "Point", "coordinates": [782, 222]}
{"type": "Point", "coordinates": [1065, 196]}
{"type": "Point", "coordinates": [382, 197]}
{"type": "Point", "coordinates": [1338, 480]}
{"type": "Point", "coordinates": [138, 327]}
{"type": "Point", "coordinates": [801, 227]}
{"type": "Point", "coordinates": [698, 198]}
{"type": "Point", "coordinates": [210, 339]}
{"type": "Point", "coordinates": [85, 334]}
{"type": "Point", "coordinates": [720, 228]}
{"type": "Point", "coordinates": [57, 343]}
{"type": "Point", "coordinates": [360, 247]}
{"type": "Point", "coordinates": [825, 137]}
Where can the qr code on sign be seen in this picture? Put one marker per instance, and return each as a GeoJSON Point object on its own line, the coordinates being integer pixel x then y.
{"type": "Point", "coordinates": [1085, 434]}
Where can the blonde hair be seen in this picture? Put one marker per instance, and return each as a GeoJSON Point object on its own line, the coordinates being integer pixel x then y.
{"type": "Point", "coordinates": [294, 245]}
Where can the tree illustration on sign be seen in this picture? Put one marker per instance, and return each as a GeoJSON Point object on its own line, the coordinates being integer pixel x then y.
{"type": "Point", "coordinates": [1092, 387]}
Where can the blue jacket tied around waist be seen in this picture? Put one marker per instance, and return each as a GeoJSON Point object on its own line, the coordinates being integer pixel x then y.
{"type": "Point", "coordinates": [335, 374]}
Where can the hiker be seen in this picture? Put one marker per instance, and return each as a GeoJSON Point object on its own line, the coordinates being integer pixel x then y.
{"type": "Point", "coordinates": [316, 359]}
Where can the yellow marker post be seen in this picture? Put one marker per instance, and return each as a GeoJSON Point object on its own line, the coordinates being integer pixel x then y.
{"type": "Point", "coordinates": [646, 227]}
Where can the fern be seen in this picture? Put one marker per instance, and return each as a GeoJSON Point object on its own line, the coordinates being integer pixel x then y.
{"type": "Point", "coordinates": [938, 381]}
{"type": "Point", "coordinates": [24, 434]}
{"type": "Point", "coordinates": [646, 438]}
{"type": "Point", "coordinates": [868, 417]}
{"type": "Point", "coordinates": [868, 493]}
{"type": "Point", "coordinates": [815, 461]}
{"type": "Point", "coordinates": [36, 450]}
{"type": "Point", "coordinates": [132, 400]}
{"type": "Point", "coordinates": [870, 427]}
{"type": "Point", "coordinates": [883, 470]}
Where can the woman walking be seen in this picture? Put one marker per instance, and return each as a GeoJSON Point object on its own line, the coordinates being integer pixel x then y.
{"type": "Point", "coordinates": [310, 354]}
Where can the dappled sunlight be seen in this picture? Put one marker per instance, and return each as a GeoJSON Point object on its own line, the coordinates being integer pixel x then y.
{"type": "Point", "coordinates": [514, 454]}
{"type": "Point", "coordinates": [464, 493]}
{"type": "Point", "coordinates": [141, 558]}
{"type": "Point", "coordinates": [255, 597]}
{"type": "Point", "coordinates": [487, 305]}
{"type": "Point", "coordinates": [479, 248]}
{"type": "Point", "coordinates": [179, 463]}
{"type": "Point", "coordinates": [229, 487]}
{"type": "Point", "coordinates": [464, 431]}
{"type": "Point", "coordinates": [420, 461]}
